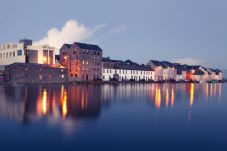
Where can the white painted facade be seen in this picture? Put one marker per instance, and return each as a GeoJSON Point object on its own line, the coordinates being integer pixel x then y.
{"type": "Point", "coordinates": [179, 77]}
{"type": "Point", "coordinates": [125, 75]}
{"type": "Point", "coordinates": [169, 73]}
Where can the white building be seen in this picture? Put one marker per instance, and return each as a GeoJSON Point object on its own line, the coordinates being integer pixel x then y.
{"type": "Point", "coordinates": [25, 52]}
{"type": "Point", "coordinates": [125, 71]}
{"type": "Point", "coordinates": [164, 70]}
{"type": "Point", "coordinates": [157, 66]}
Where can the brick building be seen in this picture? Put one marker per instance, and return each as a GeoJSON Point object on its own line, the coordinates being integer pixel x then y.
{"type": "Point", "coordinates": [84, 61]}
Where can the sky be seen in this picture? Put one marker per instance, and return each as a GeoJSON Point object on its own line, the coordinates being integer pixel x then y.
{"type": "Point", "coordinates": [185, 31]}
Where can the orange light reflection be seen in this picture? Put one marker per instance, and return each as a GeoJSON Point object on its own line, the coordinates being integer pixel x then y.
{"type": "Point", "coordinates": [157, 97]}
{"type": "Point", "coordinates": [192, 90]}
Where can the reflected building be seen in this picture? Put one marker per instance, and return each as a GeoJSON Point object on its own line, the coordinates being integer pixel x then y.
{"type": "Point", "coordinates": [27, 103]}
{"type": "Point", "coordinates": [74, 102]}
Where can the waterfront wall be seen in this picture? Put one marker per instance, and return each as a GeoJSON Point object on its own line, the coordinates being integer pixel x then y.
{"type": "Point", "coordinates": [35, 73]}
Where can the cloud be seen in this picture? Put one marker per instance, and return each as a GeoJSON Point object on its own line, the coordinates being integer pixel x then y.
{"type": "Point", "coordinates": [72, 31]}
{"type": "Point", "coordinates": [192, 61]}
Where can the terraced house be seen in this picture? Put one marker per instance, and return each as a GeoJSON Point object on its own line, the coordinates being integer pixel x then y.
{"type": "Point", "coordinates": [164, 70]}
{"type": "Point", "coordinates": [82, 60]}
{"type": "Point", "coordinates": [125, 71]}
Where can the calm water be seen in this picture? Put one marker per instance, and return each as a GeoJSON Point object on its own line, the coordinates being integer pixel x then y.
{"type": "Point", "coordinates": [114, 117]}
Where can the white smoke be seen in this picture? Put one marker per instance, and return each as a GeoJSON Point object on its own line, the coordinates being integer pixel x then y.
{"type": "Point", "coordinates": [72, 31]}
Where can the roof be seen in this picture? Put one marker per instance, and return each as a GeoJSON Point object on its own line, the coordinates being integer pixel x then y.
{"type": "Point", "coordinates": [68, 45]}
{"type": "Point", "coordinates": [168, 64]}
{"type": "Point", "coordinates": [217, 70]}
{"type": "Point", "coordinates": [107, 59]}
{"type": "Point", "coordinates": [29, 64]}
{"type": "Point", "coordinates": [126, 66]}
{"type": "Point", "coordinates": [158, 63]}
{"type": "Point", "coordinates": [88, 46]}
{"type": "Point", "coordinates": [198, 72]}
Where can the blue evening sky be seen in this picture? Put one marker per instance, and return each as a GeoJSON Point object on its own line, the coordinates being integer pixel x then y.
{"type": "Point", "coordinates": [192, 30]}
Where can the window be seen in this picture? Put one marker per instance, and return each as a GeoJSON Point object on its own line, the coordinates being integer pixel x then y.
{"type": "Point", "coordinates": [14, 54]}
{"type": "Point", "coordinates": [19, 52]}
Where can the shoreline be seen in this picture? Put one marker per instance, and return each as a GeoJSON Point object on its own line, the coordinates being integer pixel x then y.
{"type": "Point", "coordinates": [109, 82]}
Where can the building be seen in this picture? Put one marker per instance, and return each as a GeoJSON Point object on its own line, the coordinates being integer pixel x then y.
{"type": "Point", "coordinates": [164, 70]}
{"type": "Point", "coordinates": [157, 66]}
{"type": "Point", "coordinates": [84, 61]}
{"type": "Point", "coordinates": [169, 71]}
{"type": "Point", "coordinates": [25, 52]}
{"type": "Point", "coordinates": [197, 73]}
{"type": "Point", "coordinates": [35, 73]}
{"type": "Point", "coordinates": [215, 74]}
{"type": "Point", "coordinates": [125, 71]}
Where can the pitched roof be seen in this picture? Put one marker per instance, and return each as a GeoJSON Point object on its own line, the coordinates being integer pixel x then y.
{"type": "Point", "coordinates": [67, 45]}
{"type": "Point", "coordinates": [135, 66]}
{"type": "Point", "coordinates": [168, 64]}
{"type": "Point", "coordinates": [198, 72]}
{"type": "Point", "coordinates": [107, 59]}
{"type": "Point", "coordinates": [158, 63]}
{"type": "Point", "coordinates": [88, 46]}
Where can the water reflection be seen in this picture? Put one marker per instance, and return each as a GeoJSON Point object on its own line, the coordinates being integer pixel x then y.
{"type": "Point", "coordinates": [192, 91]}
{"type": "Point", "coordinates": [74, 102]}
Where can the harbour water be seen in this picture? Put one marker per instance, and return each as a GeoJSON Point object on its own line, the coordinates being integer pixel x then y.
{"type": "Point", "coordinates": [114, 117]}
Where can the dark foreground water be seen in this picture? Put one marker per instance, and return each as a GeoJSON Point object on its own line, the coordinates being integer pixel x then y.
{"type": "Point", "coordinates": [114, 117]}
